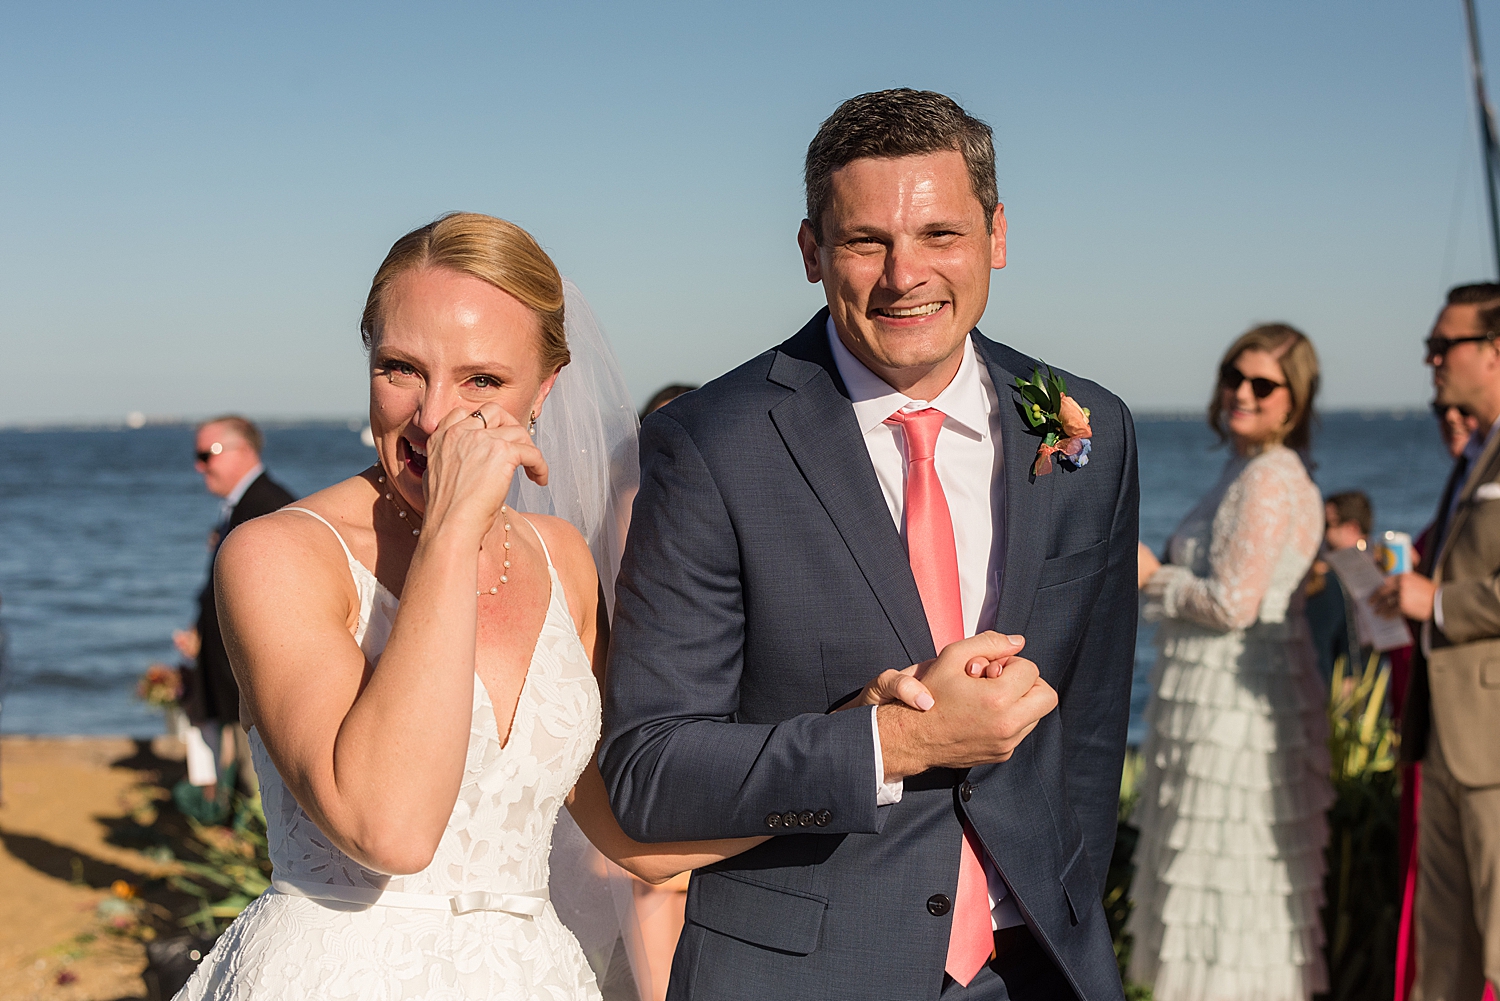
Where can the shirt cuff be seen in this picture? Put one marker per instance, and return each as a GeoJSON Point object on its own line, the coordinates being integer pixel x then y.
{"type": "Point", "coordinates": [886, 793]}
{"type": "Point", "coordinates": [1437, 617]}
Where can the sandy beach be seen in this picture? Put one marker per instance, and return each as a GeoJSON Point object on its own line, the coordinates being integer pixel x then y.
{"type": "Point", "coordinates": [67, 807]}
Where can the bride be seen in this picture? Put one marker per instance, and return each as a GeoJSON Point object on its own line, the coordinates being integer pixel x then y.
{"type": "Point", "coordinates": [418, 658]}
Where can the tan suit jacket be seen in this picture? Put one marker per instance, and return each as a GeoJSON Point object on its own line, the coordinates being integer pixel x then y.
{"type": "Point", "coordinates": [1464, 666]}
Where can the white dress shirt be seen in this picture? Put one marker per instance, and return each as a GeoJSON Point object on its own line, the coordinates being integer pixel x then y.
{"type": "Point", "coordinates": [231, 500]}
{"type": "Point", "coordinates": [970, 467]}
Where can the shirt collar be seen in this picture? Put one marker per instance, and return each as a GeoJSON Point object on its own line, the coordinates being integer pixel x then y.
{"type": "Point", "coordinates": [1478, 441]}
{"type": "Point", "coordinates": [962, 402]}
{"type": "Point", "coordinates": [233, 497]}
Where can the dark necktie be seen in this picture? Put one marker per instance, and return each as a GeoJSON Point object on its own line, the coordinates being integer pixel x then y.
{"type": "Point", "coordinates": [1440, 529]}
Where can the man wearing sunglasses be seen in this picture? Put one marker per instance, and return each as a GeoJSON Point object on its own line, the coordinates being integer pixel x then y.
{"type": "Point", "coordinates": [227, 456]}
{"type": "Point", "coordinates": [1451, 721]}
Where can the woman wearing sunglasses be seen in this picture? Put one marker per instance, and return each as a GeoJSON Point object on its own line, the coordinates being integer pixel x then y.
{"type": "Point", "coordinates": [1230, 860]}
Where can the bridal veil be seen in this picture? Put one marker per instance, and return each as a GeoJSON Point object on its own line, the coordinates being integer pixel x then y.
{"type": "Point", "coordinates": [587, 433]}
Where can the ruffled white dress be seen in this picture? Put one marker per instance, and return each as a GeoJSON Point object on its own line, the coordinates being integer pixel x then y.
{"type": "Point", "coordinates": [1229, 867]}
{"type": "Point", "coordinates": [476, 923]}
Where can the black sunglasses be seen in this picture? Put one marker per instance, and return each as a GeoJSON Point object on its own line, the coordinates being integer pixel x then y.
{"type": "Point", "coordinates": [1437, 347]}
{"type": "Point", "coordinates": [215, 449]}
{"type": "Point", "coordinates": [1440, 410]}
{"type": "Point", "coordinates": [1230, 378]}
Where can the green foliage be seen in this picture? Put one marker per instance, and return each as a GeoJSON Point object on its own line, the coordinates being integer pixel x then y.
{"type": "Point", "coordinates": [1362, 915]}
{"type": "Point", "coordinates": [1117, 902]}
{"type": "Point", "coordinates": [1041, 399]}
{"type": "Point", "coordinates": [233, 867]}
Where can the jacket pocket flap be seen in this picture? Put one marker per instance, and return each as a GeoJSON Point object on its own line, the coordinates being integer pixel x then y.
{"type": "Point", "coordinates": [768, 916]}
{"type": "Point", "coordinates": [1489, 673]}
{"type": "Point", "coordinates": [1078, 885]}
{"type": "Point", "coordinates": [1071, 566]}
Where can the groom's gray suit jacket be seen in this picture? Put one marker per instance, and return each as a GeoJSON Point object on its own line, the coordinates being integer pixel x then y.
{"type": "Point", "coordinates": [764, 582]}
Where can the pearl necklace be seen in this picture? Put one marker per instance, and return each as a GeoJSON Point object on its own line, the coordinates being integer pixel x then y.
{"type": "Point", "coordinates": [390, 495]}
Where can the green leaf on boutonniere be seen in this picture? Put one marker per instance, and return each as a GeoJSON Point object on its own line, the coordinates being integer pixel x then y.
{"type": "Point", "coordinates": [1051, 438]}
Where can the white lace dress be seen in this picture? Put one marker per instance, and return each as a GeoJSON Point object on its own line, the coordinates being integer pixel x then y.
{"type": "Point", "coordinates": [1229, 867]}
{"type": "Point", "coordinates": [476, 923]}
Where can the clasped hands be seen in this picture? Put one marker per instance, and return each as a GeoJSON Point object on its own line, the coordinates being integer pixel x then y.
{"type": "Point", "coordinates": [971, 705]}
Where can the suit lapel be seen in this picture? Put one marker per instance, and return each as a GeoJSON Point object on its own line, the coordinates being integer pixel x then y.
{"type": "Point", "coordinates": [1028, 500]}
{"type": "Point", "coordinates": [817, 424]}
{"type": "Point", "coordinates": [1483, 471]}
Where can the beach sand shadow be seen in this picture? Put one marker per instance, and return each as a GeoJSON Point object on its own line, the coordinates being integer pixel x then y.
{"type": "Point", "coordinates": [63, 862]}
{"type": "Point", "coordinates": [143, 758]}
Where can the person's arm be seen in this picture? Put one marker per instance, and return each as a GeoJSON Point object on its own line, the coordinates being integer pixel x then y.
{"type": "Point", "coordinates": [587, 801]}
{"type": "Point", "coordinates": [676, 764]}
{"type": "Point", "coordinates": [376, 767]}
{"type": "Point", "coordinates": [1240, 564]}
{"type": "Point", "coordinates": [1146, 565]}
{"type": "Point", "coordinates": [1094, 695]}
{"type": "Point", "coordinates": [1467, 610]}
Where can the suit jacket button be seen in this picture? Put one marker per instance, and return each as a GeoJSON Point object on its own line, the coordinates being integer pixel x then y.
{"type": "Point", "coordinates": [822, 817]}
{"type": "Point", "coordinates": [804, 818]}
{"type": "Point", "coordinates": [966, 791]}
{"type": "Point", "coordinates": [773, 820]}
{"type": "Point", "coordinates": [938, 904]}
{"type": "Point", "coordinates": [789, 819]}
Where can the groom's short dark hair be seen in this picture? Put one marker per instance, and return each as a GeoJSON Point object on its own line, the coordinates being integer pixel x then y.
{"type": "Point", "coordinates": [890, 123]}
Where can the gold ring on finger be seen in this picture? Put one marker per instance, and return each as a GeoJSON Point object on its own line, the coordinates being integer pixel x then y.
{"type": "Point", "coordinates": [481, 419]}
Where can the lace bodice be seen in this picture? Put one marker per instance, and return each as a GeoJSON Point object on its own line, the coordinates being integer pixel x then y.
{"type": "Point", "coordinates": [500, 833]}
{"type": "Point", "coordinates": [1241, 553]}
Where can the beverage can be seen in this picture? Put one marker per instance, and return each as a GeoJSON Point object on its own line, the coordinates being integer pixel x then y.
{"type": "Point", "coordinates": [1394, 554]}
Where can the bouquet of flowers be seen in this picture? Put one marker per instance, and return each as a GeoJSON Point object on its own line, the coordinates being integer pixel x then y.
{"type": "Point", "coordinates": [160, 686]}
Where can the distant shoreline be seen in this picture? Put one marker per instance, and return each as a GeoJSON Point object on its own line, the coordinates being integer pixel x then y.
{"type": "Point", "coordinates": [355, 423]}
{"type": "Point", "coordinates": [273, 423]}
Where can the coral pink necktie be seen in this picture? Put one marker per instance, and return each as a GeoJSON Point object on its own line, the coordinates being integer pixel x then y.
{"type": "Point", "coordinates": [934, 564]}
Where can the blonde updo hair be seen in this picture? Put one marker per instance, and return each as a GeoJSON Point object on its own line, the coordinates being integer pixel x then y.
{"type": "Point", "coordinates": [1299, 367]}
{"type": "Point", "coordinates": [497, 252]}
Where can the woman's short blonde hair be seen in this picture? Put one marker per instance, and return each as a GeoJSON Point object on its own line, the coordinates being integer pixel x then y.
{"type": "Point", "coordinates": [494, 251]}
{"type": "Point", "coordinates": [1299, 367]}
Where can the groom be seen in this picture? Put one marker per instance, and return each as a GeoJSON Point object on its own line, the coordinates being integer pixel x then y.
{"type": "Point", "coordinates": [854, 501]}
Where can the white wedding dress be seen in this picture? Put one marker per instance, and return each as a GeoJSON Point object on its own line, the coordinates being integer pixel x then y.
{"type": "Point", "coordinates": [477, 922]}
{"type": "Point", "coordinates": [1229, 866]}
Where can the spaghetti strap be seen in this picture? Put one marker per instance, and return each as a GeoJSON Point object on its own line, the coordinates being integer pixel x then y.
{"type": "Point", "coordinates": [533, 532]}
{"type": "Point", "coordinates": [335, 531]}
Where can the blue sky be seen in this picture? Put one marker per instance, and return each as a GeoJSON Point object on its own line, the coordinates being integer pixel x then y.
{"type": "Point", "coordinates": [193, 197]}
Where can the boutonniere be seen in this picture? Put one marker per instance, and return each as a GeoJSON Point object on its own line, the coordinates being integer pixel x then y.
{"type": "Point", "coordinates": [1057, 417]}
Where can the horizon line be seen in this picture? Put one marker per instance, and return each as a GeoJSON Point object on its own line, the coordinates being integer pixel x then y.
{"type": "Point", "coordinates": [358, 423]}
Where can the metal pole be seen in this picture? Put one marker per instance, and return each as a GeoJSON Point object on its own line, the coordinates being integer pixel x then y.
{"type": "Point", "coordinates": [1486, 129]}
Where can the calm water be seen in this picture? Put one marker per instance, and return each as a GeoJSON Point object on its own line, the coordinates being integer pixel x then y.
{"type": "Point", "coordinates": [103, 541]}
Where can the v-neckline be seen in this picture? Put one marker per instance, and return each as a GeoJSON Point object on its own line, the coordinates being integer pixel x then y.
{"type": "Point", "coordinates": [504, 739]}
{"type": "Point", "coordinates": [552, 590]}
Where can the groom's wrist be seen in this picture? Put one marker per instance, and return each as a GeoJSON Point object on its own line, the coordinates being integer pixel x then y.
{"type": "Point", "coordinates": [895, 723]}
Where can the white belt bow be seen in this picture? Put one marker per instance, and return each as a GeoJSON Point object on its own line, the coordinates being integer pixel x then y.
{"type": "Point", "coordinates": [528, 903]}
